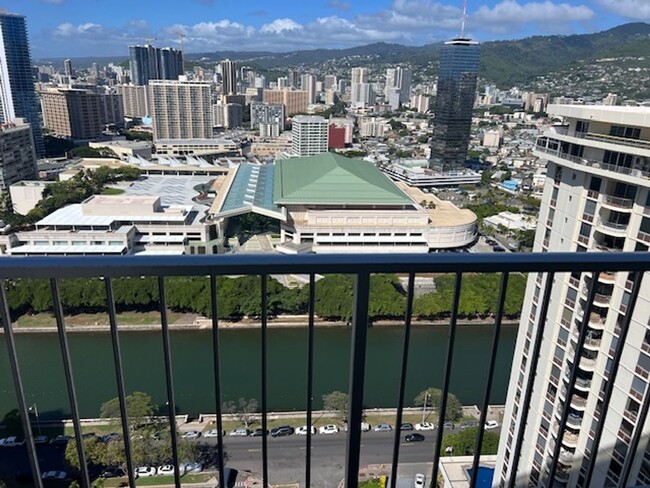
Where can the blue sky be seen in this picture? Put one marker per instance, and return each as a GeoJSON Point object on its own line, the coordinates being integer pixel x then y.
{"type": "Point", "coordinates": [71, 28]}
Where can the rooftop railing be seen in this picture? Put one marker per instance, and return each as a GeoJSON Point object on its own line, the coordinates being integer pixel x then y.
{"type": "Point", "coordinates": [361, 267]}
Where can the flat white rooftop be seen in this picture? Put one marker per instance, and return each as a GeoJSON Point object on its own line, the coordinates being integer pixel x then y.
{"type": "Point", "coordinates": [85, 249]}
{"type": "Point", "coordinates": [73, 216]}
{"type": "Point", "coordinates": [194, 142]}
{"type": "Point", "coordinates": [629, 116]}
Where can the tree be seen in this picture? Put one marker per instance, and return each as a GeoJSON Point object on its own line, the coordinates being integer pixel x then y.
{"type": "Point", "coordinates": [139, 408]}
{"type": "Point", "coordinates": [244, 410]}
{"type": "Point", "coordinates": [338, 402]}
{"type": "Point", "coordinates": [464, 442]}
{"type": "Point", "coordinates": [433, 398]}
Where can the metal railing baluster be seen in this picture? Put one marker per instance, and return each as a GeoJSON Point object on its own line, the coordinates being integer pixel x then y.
{"type": "Point", "coordinates": [119, 375]}
{"type": "Point", "coordinates": [5, 316]}
{"type": "Point", "coordinates": [534, 360]}
{"type": "Point", "coordinates": [216, 357]}
{"type": "Point", "coordinates": [69, 380]}
{"type": "Point", "coordinates": [310, 375]}
{"type": "Point", "coordinates": [171, 404]}
{"type": "Point", "coordinates": [490, 376]}
{"type": "Point", "coordinates": [402, 378]}
{"type": "Point", "coordinates": [447, 377]}
{"type": "Point", "coordinates": [357, 377]}
{"type": "Point", "coordinates": [265, 452]}
{"type": "Point", "coordinates": [572, 378]}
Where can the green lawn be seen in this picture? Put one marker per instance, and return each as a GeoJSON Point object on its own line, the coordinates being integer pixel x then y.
{"type": "Point", "coordinates": [161, 480]}
{"type": "Point", "coordinates": [124, 318]}
{"type": "Point", "coordinates": [370, 484]}
{"type": "Point", "coordinates": [112, 191]}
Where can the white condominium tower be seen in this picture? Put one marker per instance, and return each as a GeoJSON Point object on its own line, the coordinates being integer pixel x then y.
{"type": "Point", "coordinates": [584, 423]}
{"type": "Point", "coordinates": [181, 109]}
{"type": "Point", "coordinates": [361, 92]}
{"type": "Point", "coordinates": [309, 135]}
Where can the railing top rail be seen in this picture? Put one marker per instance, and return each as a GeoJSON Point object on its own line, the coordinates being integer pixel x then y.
{"type": "Point", "coordinates": [115, 266]}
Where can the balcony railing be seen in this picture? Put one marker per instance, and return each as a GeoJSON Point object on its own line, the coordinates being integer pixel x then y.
{"type": "Point", "coordinates": [55, 269]}
{"type": "Point", "coordinates": [637, 172]}
{"type": "Point", "coordinates": [624, 141]}
{"type": "Point", "coordinates": [618, 202]}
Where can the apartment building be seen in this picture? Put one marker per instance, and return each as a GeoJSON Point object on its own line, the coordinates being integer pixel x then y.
{"type": "Point", "coordinates": [17, 155]}
{"type": "Point", "coordinates": [309, 135]}
{"type": "Point", "coordinates": [135, 100]}
{"type": "Point", "coordinates": [295, 101]}
{"type": "Point", "coordinates": [585, 421]}
{"type": "Point", "coordinates": [181, 109]}
{"type": "Point", "coordinates": [74, 113]}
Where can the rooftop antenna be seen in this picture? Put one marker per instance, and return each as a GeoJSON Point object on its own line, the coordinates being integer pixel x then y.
{"type": "Point", "coordinates": [463, 20]}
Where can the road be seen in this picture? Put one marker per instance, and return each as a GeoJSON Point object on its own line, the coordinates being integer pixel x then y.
{"type": "Point", "coordinates": [286, 456]}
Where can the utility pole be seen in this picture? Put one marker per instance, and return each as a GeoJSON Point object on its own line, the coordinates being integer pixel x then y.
{"type": "Point", "coordinates": [424, 405]}
{"type": "Point", "coordinates": [34, 408]}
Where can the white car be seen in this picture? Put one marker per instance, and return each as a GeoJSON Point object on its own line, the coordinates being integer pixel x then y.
{"type": "Point", "coordinates": [144, 471]}
{"type": "Point", "coordinates": [11, 441]}
{"type": "Point", "coordinates": [491, 425]}
{"type": "Point", "coordinates": [365, 427]}
{"type": "Point", "coordinates": [303, 430]}
{"type": "Point", "coordinates": [167, 469]}
{"type": "Point", "coordinates": [191, 468]}
{"type": "Point", "coordinates": [383, 428]}
{"type": "Point", "coordinates": [191, 434]}
{"type": "Point", "coordinates": [211, 433]}
{"type": "Point", "coordinates": [41, 439]}
{"type": "Point", "coordinates": [329, 429]}
{"type": "Point", "coordinates": [54, 475]}
{"type": "Point", "coordinates": [420, 480]}
{"type": "Point", "coordinates": [240, 433]}
{"type": "Point", "coordinates": [425, 426]}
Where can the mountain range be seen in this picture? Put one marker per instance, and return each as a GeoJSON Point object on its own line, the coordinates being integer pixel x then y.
{"type": "Point", "coordinates": [505, 63]}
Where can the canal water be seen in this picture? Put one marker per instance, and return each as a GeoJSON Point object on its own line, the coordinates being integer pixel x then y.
{"type": "Point", "coordinates": [44, 382]}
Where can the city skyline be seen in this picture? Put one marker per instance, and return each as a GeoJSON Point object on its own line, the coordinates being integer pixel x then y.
{"type": "Point", "coordinates": [57, 26]}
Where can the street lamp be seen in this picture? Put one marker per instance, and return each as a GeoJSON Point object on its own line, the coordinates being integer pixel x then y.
{"type": "Point", "coordinates": [424, 405]}
{"type": "Point", "coordinates": [34, 409]}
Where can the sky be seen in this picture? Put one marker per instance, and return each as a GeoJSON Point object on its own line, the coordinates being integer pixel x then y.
{"type": "Point", "coordinates": [74, 28]}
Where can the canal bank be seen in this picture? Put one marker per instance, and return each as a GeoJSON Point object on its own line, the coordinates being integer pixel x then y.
{"type": "Point", "coordinates": [92, 361]}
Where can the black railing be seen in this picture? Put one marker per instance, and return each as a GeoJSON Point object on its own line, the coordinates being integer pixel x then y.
{"type": "Point", "coordinates": [362, 267]}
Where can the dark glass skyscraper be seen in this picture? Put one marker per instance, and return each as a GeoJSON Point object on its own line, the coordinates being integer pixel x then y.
{"type": "Point", "coordinates": [17, 94]}
{"type": "Point", "coordinates": [457, 78]}
{"type": "Point", "coordinates": [151, 63]}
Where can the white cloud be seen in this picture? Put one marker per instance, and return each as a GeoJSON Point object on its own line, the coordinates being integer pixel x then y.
{"type": "Point", "coordinates": [513, 12]}
{"type": "Point", "coordinates": [280, 25]}
{"type": "Point", "coordinates": [338, 5]}
{"type": "Point", "coordinates": [630, 9]}
{"type": "Point", "coordinates": [67, 29]}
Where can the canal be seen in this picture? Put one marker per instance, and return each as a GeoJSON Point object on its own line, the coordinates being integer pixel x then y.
{"type": "Point", "coordinates": [40, 363]}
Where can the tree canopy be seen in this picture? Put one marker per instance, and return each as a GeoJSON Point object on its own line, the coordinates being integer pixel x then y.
{"type": "Point", "coordinates": [463, 443]}
{"type": "Point", "coordinates": [433, 399]}
{"type": "Point", "coordinates": [139, 408]}
{"type": "Point", "coordinates": [337, 401]}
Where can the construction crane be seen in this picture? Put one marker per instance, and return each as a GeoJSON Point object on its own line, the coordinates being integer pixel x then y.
{"type": "Point", "coordinates": [147, 39]}
{"type": "Point", "coordinates": [182, 36]}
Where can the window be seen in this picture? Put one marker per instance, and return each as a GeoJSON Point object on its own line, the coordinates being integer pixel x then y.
{"type": "Point", "coordinates": [595, 183]}
{"type": "Point", "coordinates": [590, 207]}
{"type": "Point", "coordinates": [625, 132]}
{"type": "Point", "coordinates": [582, 126]}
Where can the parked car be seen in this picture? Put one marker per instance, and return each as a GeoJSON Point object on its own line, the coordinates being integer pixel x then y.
{"type": "Point", "coordinates": [420, 481]}
{"type": "Point", "coordinates": [449, 425]}
{"type": "Point", "coordinates": [113, 473]}
{"type": "Point", "coordinates": [415, 437]}
{"type": "Point", "coordinates": [61, 439]}
{"type": "Point", "coordinates": [467, 425]}
{"type": "Point", "coordinates": [144, 471]}
{"type": "Point", "coordinates": [113, 436]}
{"type": "Point", "coordinates": [259, 433]}
{"type": "Point", "coordinates": [191, 434]}
{"type": "Point", "coordinates": [329, 429]}
{"type": "Point", "coordinates": [365, 427]}
{"type": "Point", "coordinates": [167, 469]}
{"type": "Point", "coordinates": [54, 475]}
{"type": "Point", "coordinates": [282, 431]}
{"type": "Point", "coordinates": [303, 430]}
{"type": "Point", "coordinates": [425, 426]}
{"type": "Point", "coordinates": [11, 441]}
{"type": "Point", "coordinates": [212, 433]}
{"type": "Point", "coordinates": [406, 426]}
{"type": "Point", "coordinates": [491, 425]}
{"type": "Point", "coordinates": [192, 468]}
{"type": "Point", "coordinates": [383, 428]}
{"type": "Point", "coordinates": [88, 435]}
{"type": "Point", "coordinates": [240, 432]}
{"type": "Point", "coordinates": [41, 439]}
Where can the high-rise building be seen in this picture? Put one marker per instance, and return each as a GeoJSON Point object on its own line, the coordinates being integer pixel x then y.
{"type": "Point", "coordinates": [67, 68]}
{"type": "Point", "coordinates": [17, 94]}
{"type": "Point", "coordinates": [151, 63]}
{"type": "Point", "coordinates": [399, 79]}
{"type": "Point", "coordinates": [267, 113]}
{"type": "Point", "coordinates": [228, 116]}
{"type": "Point", "coordinates": [293, 77]}
{"type": "Point", "coordinates": [229, 76]}
{"type": "Point", "coordinates": [359, 75]}
{"type": "Point", "coordinates": [73, 113]}
{"type": "Point", "coordinates": [112, 109]}
{"type": "Point", "coordinates": [361, 92]}
{"type": "Point", "coordinates": [181, 109]}
{"type": "Point", "coordinates": [590, 380]}
{"type": "Point", "coordinates": [329, 82]}
{"type": "Point", "coordinates": [283, 83]}
{"type": "Point", "coordinates": [295, 101]}
{"type": "Point", "coordinates": [17, 155]}
{"type": "Point", "coordinates": [135, 99]}
{"type": "Point", "coordinates": [457, 79]}
{"type": "Point", "coordinates": [308, 84]}
{"type": "Point", "coordinates": [309, 135]}
{"type": "Point", "coordinates": [422, 103]}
